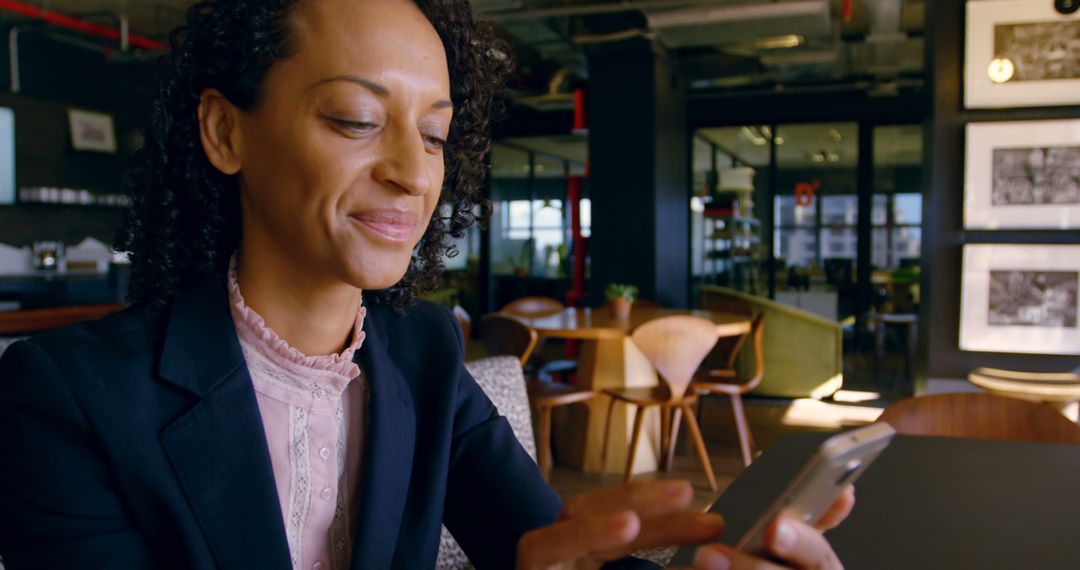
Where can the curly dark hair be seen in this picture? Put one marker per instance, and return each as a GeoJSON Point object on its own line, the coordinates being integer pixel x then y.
{"type": "Point", "coordinates": [185, 220]}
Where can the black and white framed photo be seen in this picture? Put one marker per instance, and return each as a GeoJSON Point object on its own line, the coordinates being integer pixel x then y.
{"type": "Point", "coordinates": [1021, 53]}
{"type": "Point", "coordinates": [92, 131]}
{"type": "Point", "coordinates": [1022, 175]}
{"type": "Point", "coordinates": [1020, 299]}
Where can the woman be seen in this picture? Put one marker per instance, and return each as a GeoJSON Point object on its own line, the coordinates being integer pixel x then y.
{"type": "Point", "coordinates": [275, 398]}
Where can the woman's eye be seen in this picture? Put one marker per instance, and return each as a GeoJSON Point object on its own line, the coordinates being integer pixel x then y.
{"type": "Point", "coordinates": [355, 126]}
{"type": "Point", "coordinates": [434, 141]}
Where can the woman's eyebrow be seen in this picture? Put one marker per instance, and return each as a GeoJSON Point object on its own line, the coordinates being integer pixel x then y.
{"type": "Point", "coordinates": [374, 87]}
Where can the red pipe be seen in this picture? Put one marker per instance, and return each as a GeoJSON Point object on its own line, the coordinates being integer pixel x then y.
{"type": "Point", "coordinates": [63, 21]}
{"type": "Point", "coordinates": [573, 197]}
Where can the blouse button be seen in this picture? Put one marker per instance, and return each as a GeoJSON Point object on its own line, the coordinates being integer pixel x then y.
{"type": "Point", "coordinates": [324, 452]}
{"type": "Point", "coordinates": [326, 493]}
{"type": "Point", "coordinates": [316, 566]}
{"type": "Point", "coordinates": [318, 394]}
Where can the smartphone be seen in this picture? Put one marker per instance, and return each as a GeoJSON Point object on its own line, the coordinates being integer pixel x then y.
{"type": "Point", "coordinates": [840, 460]}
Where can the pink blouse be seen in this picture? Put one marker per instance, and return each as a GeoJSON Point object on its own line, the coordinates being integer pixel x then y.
{"type": "Point", "coordinates": [313, 411]}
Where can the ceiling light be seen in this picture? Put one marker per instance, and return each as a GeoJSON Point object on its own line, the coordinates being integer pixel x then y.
{"type": "Point", "coordinates": [779, 140]}
{"type": "Point", "coordinates": [779, 42]}
{"type": "Point", "coordinates": [836, 136]}
{"type": "Point", "coordinates": [754, 138]}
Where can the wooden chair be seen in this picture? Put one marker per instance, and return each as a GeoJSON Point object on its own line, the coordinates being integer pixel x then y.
{"type": "Point", "coordinates": [725, 382]}
{"type": "Point", "coordinates": [675, 346]}
{"type": "Point", "coordinates": [547, 365]}
{"type": "Point", "coordinates": [982, 416]}
{"type": "Point", "coordinates": [1058, 389]}
{"type": "Point", "coordinates": [503, 335]}
{"type": "Point", "coordinates": [533, 306]}
{"type": "Point", "coordinates": [464, 320]}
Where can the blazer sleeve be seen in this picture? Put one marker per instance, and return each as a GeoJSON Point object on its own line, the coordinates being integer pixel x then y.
{"type": "Point", "coordinates": [495, 492]}
{"type": "Point", "coordinates": [59, 502]}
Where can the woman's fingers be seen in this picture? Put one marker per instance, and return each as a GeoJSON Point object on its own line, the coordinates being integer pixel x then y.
{"type": "Point", "coordinates": [839, 510]}
{"type": "Point", "coordinates": [800, 545]}
{"type": "Point", "coordinates": [574, 539]}
{"type": "Point", "coordinates": [721, 557]}
{"type": "Point", "coordinates": [646, 498]}
{"type": "Point", "coordinates": [674, 529]}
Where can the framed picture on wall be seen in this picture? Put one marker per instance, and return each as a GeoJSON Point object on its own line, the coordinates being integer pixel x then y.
{"type": "Point", "coordinates": [1023, 174]}
{"type": "Point", "coordinates": [1021, 53]}
{"type": "Point", "coordinates": [92, 131]}
{"type": "Point", "coordinates": [1020, 298]}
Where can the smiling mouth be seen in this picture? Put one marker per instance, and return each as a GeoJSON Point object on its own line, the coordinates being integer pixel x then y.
{"type": "Point", "coordinates": [391, 225]}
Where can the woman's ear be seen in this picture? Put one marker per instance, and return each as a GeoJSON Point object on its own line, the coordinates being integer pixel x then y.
{"type": "Point", "coordinates": [219, 131]}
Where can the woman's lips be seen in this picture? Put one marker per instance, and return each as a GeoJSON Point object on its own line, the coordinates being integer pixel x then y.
{"type": "Point", "coordinates": [391, 225]}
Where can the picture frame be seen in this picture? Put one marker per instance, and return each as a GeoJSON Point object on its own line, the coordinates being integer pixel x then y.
{"type": "Point", "coordinates": [92, 131]}
{"type": "Point", "coordinates": [1022, 175]}
{"type": "Point", "coordinates": [1020, 53]}
{"type": "Point", "coordinates": [1020, 299]}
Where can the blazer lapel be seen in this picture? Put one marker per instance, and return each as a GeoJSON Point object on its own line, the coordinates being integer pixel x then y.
{"type": "Point", "coordinates": [391, 438]}
{"type": "Point", "coordinates": [218, 448]}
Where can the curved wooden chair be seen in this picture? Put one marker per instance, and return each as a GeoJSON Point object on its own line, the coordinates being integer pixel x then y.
{"type": "Point", "coordinates": [675, 346]}
{"type": "Point", "coordinates": [464, 320]}
{"type": "Point", "coordinates": [981, 416]}
{"type": "Point", "coordinates": [504, 335]}
{"type": "Point", "coordinates": [725, 382]}
{"type": "Point", "coordinates": [547, 365]}
{"type": "Point", "coordinates": [533, 306]}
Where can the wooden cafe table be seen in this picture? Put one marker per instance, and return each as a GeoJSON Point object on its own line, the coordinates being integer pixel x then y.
{"type": "Point", "coordinates": [609, 359]}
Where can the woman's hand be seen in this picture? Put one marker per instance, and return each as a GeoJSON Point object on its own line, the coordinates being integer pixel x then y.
{"type": "Point", "coordinates": [611, 523]}
{"type": "Point", "coordinates": [797, 544]}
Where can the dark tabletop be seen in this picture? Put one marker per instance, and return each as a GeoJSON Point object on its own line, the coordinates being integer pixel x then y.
{"type": "Point", "coordinates": [935, 502]}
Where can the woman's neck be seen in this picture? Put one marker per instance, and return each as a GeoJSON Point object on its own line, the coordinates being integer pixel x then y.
{"type": "Point", "coordinates": [314, 315]}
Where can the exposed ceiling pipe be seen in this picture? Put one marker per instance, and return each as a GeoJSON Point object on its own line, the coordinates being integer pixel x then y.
{"type": "Point", "coordinates": [589, 9]}
{"type": "Point", "coordinates": [736, 13]}
{"type": "Point", "coordinates": [92, 29]}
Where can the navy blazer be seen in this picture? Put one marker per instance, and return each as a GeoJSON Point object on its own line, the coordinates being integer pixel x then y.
{"type": "Point", "coordinates": [136, 442]}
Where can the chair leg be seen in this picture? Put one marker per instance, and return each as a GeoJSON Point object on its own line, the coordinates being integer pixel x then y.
{"type": "Point", "coordinates": [665, 436]}
{"type": "Point", "coordinates": [699, 444]}
{"type": "Point", "coordinates": [639, 416]}
{"type": "Point", "coordinates": [545, 442]}
{"type": "Point", "coordinates": [607, 434]}
{"type": "Point", "coordinates": [676, 418]}
{"type": "Point", "coordinates": [746, 440]}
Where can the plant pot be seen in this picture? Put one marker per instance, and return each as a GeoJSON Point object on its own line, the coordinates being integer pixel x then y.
{"type": "Point", "coordinates": [620, 308]}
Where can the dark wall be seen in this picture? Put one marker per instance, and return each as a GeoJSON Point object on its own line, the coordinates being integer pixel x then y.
{"type": "Point", "coordinates": [639, 154]}
{"type": "Point", "coordinates": [56, 75]}
{"type": "Point", "coordinates": [943, 233]}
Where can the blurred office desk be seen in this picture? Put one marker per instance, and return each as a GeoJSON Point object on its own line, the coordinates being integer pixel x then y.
{"type": "Point", "coordinates": [934, 502]}
{"type": "Point", "coordinates": [609, 359]}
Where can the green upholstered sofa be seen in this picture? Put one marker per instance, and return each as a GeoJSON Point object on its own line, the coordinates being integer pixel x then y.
{"type": "Point", "coordinates": [803, 352]}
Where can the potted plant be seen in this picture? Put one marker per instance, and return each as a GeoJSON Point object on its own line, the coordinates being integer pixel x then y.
{"type": "Point", "coordinates": [620, 297]}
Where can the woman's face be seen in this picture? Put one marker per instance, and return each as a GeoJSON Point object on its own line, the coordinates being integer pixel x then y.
{"type": "Point", "coordinates": [342, 160]}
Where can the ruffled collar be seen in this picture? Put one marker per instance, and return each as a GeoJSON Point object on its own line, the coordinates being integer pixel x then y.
{"type": "Point", "coordinates": [253, 329]}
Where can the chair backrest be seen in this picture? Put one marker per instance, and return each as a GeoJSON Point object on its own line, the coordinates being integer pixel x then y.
{"type": "Point", "coordinates": [982, 416]}
{"type": "Point", "coordinates": [676, 346]}
{"type": "Point", "coordinates": [502, 381]}
{"type": "Point", "coordinates": [506, 336]}
{"type": "Point", "coordinates": [464, 320]}
{"type": "Point", "coordinates": [757, 337]}
{"type": "Point", "coordinates": [533, 306]}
